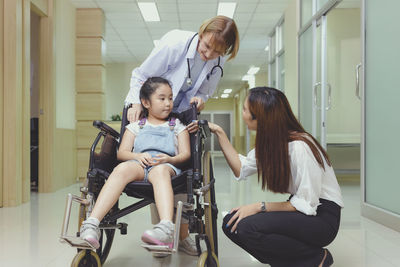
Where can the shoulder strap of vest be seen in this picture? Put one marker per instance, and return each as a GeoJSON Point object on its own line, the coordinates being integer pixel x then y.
{"type": "Point", "coordinates": [142, 122]}
{"type": "Point", "coordinates": [172, 123]}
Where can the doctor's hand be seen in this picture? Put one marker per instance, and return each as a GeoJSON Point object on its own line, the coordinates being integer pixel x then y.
{"type": "Point", "coordinates": [200, 102]}
{"type": "Point", "coordinates": [134, 112]}
{"type": "Point", "coordinates": [241, 213]}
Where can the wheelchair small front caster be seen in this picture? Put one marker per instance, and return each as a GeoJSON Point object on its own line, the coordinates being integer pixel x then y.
{"type": "Point", "coordinates": [211, 262]}
{"type": "Point", "coordinates": [86, 258]}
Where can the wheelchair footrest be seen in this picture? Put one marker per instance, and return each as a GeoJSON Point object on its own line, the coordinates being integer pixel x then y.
{"type": "Point", "coordinates": [158, 249]}
{"type": "Point", "coordinates": [76, 242]}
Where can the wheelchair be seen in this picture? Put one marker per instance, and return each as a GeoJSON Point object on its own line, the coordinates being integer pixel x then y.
{"type": "Point", "coordinates": [196, 180]}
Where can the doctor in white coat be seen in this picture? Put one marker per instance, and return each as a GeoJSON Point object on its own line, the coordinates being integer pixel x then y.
{"type": "Point", "coordinates": [192, 62]}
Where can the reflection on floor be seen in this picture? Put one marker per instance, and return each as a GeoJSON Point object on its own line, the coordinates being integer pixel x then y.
{"type": "Point", "coordinates": [29, 233]}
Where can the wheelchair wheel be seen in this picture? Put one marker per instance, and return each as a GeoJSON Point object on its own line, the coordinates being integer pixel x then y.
{"type": "Point", "coordinates": [86, 258]}
{"type": "Point", "coordinates": [210, 213]}
{"type": "Point", "coordinates": [213, 261]}
{"type": "Point", "coordinates": [106, 240]}
{"type": "Point", "coordinates": [106, 235]}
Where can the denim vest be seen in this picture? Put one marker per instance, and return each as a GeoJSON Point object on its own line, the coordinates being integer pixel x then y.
{"type": "Point", "coordinates": [155, 140]}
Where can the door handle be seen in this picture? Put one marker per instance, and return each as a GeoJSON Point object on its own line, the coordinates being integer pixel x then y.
{"type": "Point", "coordinates": [315, 93]}
{"type": "Point", "coordinates": [358, 80]}
{"type": "Point", "coordinates": [329, 97]}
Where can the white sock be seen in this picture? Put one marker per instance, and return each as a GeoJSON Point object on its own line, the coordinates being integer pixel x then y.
{"type": "Point", "coordinates": [93, 220]}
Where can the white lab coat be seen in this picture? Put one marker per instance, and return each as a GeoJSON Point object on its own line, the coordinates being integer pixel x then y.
{"type": "Point", "coordinates": [169, 60]}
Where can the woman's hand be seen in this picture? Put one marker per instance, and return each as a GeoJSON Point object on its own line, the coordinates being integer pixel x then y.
{"type": "Point", "coordinates": [213, 127]}
{"type": "Point", "coordinates": [144, 159]}
{"type": "Point", "coordinates": [199, 101]}
{"type": "Point", "coordinates": [134, 112]}
{"type": "Point", "coordinates": [159, 159]}
{"type": "Point", "coordinates": [242, 212]}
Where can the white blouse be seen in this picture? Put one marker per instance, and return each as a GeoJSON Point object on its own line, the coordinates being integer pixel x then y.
{"type": "Point", "coordinates": [309, 181]}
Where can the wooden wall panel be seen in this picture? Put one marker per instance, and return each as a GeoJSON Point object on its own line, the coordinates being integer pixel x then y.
{"type": "Point", "coordinates": [46, 102]}
{"type": "Point", "coordinates": [90, 82]}
{"type": "Point", "coordinates": [90, 22]}
{"type": "Point", "coordinates": [90, 79]}
{"type": "Point", "coordinates": [40, 6]}
{"type": "Point", "coordinates": [83, 162]}
{"type": "Point", "coordinates": [86, 134]}
{"type": "Point", "coordinates": [26, 102]}
{"type": "Point", "coordinates": [89, 51]}
{"type": "Point", "coordinates": [90, 107]}
{"type": "Point", "coordinates": [1, 98]}
{"type": "Point", "coordinates": [12, 137]}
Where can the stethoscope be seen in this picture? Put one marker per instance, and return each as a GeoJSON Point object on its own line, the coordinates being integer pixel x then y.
{"type": "Point", "coordinates": [189, 77]}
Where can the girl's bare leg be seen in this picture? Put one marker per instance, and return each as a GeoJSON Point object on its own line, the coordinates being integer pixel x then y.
{"type": "Point", "coordinates": [123, 174]}
{"type": "Point", "coordinates": [160, 178]}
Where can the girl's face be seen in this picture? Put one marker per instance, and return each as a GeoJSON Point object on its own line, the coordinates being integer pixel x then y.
{"type": "Point", "coordinates": [161, 103]}
{"type": "Point", "coordinates": [248, 119]}
{"type": "Point", "coordinates": [206, 49]}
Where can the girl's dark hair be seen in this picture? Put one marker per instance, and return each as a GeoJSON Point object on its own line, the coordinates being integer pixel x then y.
{"type": "Point", "coordinates": [147, 89]}
{"type": "Point", "coordinates": [276, 127]}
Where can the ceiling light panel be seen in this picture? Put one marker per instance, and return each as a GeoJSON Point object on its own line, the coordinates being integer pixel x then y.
{"type": "Point", "coordinates": [226, 9]}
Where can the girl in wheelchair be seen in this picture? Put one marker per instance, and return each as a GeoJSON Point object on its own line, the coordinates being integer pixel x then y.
{"type": "Point", "coordinates": [159, 143]}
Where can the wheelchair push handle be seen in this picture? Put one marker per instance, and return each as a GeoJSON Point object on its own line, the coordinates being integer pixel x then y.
{"type": "Point", "coordinates": [105, 128]}
{"type": "Point", "coordinates": [204, 128]}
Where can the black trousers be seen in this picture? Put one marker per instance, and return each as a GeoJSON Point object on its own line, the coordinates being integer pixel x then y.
{"type": "Point", "coordinates": [287, 239]}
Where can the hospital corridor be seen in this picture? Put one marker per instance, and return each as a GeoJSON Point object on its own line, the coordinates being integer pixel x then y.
{"type": "Point", "coordinates": [199, 133]}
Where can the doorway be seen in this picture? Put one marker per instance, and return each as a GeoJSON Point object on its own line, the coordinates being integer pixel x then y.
{"type": "Point", "coordinates": [34, 99]}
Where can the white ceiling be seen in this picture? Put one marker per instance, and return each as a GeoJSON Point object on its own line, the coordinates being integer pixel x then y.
{"type": "Point", "coordinates": [130, 39]}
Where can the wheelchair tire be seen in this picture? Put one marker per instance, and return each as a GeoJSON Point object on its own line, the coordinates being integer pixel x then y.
{"type": "Point", "coordinates": [202, 262]}
{"type": "Point", "coordinates": [86, 258]}
{"type": "Point", "coordinates": [210, 218]}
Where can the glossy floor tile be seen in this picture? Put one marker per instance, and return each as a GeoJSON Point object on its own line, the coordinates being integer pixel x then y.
{"type": "Point", "coordinates": [29, 233]}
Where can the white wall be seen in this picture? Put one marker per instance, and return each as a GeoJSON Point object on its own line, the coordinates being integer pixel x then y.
{"type": "Point", "coordinates": [118, 76]}
{"type": "Point", "coordinates": [65, 64]}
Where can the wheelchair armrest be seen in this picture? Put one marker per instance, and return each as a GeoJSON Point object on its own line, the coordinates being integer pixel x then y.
{"type": "Point", "coordinates": [204, 129]}
{"type": "Point", "coordinates": [105, 128]}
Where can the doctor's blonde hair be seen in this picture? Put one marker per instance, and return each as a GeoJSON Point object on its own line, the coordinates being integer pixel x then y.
{"type": "Point", "coordinates": [225, 36]}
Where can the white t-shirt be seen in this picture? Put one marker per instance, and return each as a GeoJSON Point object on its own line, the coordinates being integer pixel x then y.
{"type": "Point", "coordinates": [309, 181]}
{"type": "Point", "coordinates": [179, 127]}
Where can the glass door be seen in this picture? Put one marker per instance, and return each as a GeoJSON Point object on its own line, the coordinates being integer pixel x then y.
{"type": "Point", "coordinates": [381, 123]}
{"type": "Point", "coordinates": [314, 90]}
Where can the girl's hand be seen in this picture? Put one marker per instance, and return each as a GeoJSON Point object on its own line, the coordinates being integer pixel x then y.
{"type": "Point", "coordinates": [242, 212]}
{"type": "Point", "coordinates": [134, 112]}
{"type": "Point", "coordinates": [159, 159]}
{"type": "Point", "coordinates": [144, 159]}
{"type": "Point", "coordinates": [192, 127]}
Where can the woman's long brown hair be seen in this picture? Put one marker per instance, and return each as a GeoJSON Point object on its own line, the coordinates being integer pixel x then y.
{"type": "Point", "coordinates": [276, 127]}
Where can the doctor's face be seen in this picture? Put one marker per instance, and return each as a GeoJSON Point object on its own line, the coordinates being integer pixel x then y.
{"type": "Point", "coordinates": [206, 47]}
